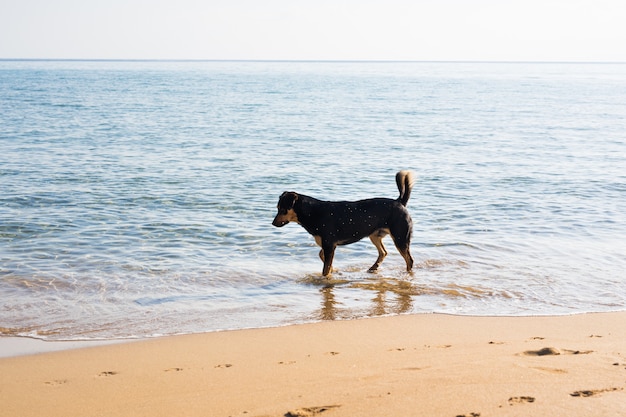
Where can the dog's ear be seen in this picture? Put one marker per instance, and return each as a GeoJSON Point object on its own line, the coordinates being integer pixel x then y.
{"type": "Point", "coordinates": [295, 198]}
{"type": "Point", "coordinates": [288, 199]}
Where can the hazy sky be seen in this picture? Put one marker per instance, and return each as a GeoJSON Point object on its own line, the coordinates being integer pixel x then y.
{"type": "Point", "coordinates": [504, 30]}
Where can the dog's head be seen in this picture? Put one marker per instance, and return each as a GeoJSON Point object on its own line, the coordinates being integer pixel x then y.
{"type": "Point", "coordinates": [286, 213]}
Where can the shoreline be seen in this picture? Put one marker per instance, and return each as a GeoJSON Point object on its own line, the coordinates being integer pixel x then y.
{"type": "Point", "coordinates": [16, 346]}
{"type": "Point", "coordinates": [429, 364]}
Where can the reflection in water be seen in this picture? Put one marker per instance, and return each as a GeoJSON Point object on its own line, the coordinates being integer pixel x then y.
{"type": "Point", "coordinates": [390, 296]}
{"type": "Point", "coordinates": [328, 311]}
{"type": "Point", "coordinates": [374, 295]}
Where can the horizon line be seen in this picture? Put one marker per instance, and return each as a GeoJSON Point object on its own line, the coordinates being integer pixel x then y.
{"type": "Point", "coordinates": [381, 61]}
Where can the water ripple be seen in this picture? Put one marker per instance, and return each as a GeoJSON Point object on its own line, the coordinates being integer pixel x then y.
{"type": "Point", "coordinates": [137, 198]}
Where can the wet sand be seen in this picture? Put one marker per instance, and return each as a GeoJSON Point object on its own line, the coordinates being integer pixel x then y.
{"type": "Point", "coordinates": [417, 365]}
{"type": "Point", "coordinates": [16, 346]}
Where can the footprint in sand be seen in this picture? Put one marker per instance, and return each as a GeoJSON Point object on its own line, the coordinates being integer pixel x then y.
{"type": "Point", "coordinates": [542, 352]}
{"type": "Point", "coordinates": [225, 365]}
{"type": "Point", "coordinates": [413, 368]}
{"type": "Point", "coordinates": [56, 382]}
{"type": "Point", "coordinates": [550, 351]}
{"type": "Point", "coordinates": [577, 352]}
{"type": "Point", "coordinates": [521, 400]}
{"type": "Point", "coordinates": [589, 393]}
{"type": "Point", "coordinates": [550, 370]}
{"type": "Point", "coordinates": [310, 411]}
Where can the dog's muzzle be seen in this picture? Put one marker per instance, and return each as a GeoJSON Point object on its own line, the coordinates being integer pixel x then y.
{"type": "Point", "coordinates": [278, 222]}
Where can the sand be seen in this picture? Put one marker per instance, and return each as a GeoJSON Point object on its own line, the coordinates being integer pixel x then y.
{"type": "Point", "coordinates": [417, 365]}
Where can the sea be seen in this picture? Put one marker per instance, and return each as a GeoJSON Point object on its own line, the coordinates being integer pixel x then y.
{"type": "Point", "coordinates": [137, 197]}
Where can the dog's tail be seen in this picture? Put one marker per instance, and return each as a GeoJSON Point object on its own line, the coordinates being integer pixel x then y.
{"type": "Point", "coordinates": [405, 181]}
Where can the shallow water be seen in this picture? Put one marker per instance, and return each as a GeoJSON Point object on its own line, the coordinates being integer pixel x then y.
{"type": "Point", "coordinates": [137, 197]}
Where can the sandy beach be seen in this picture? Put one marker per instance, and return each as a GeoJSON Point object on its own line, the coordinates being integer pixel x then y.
{"type": "Point", "coordinates": [413, 365]}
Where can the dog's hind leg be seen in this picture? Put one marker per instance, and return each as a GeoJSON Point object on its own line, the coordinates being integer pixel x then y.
{"type": "Point", "coordinates": [377, 240]}
{"type": "Point", "coordinates": [406, 254]}
{"type": "Point", "coordinates": [403, 248]}
{"type": "Point", "coordinates": [402, 244]}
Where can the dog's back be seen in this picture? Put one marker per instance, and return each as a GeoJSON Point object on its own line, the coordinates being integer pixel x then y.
{"type": "Point", "coordinates": [347, 222]}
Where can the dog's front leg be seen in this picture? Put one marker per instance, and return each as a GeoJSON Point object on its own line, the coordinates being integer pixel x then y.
{"type": "Point", "coordinates": [327, 253]}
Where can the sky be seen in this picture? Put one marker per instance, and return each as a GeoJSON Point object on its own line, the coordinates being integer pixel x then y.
{"type": "Point", "coordinates": [412, 30]}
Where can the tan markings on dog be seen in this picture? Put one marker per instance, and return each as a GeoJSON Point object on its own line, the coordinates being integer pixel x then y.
{"type": "Point", "coordinates": [290, 216]}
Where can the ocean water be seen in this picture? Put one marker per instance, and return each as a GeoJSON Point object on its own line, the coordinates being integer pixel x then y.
{"type": "Point", "coordinates": [136, 198]}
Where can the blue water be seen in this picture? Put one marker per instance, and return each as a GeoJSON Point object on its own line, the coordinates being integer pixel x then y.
{"type": "Point", "coordinates": [136, 198]}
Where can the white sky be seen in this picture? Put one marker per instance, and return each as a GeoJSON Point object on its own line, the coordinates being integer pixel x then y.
{"type": "Point", "coordinates": [501, 30]}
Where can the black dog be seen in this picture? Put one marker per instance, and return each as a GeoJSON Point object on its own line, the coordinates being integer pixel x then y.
{"type": "Point", "coordinates": [335, 223]}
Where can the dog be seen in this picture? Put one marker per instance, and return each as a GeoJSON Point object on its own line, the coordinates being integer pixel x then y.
{"type": "Point", "coordinates": [334, 223]}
